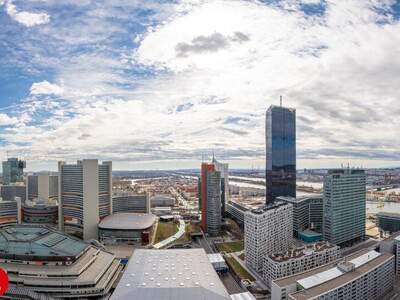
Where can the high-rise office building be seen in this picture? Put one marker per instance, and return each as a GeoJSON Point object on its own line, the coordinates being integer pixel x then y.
{"type": "Point", "coordinates": [344, 206]}
{"type": "Point", "coordinates": [267, 230]}
{"type": "Point", "coordinates": [43, 186]}
{"type": "Point", "coordinates": [210, 199]}
{"type": "Point", "coordinates": [223, 168]}
{"type": "Point", "coordinates": [41, 206]}
{"type": "Point", "coordinates": [280, 139]}
{"type": "Point", "coordinates": [13, 170]}
{"type": "Point", "coordinates": [9, 192]}
{"type": "Point", "coordinates": [307, 213]}
{"type": "Point", "coordinates": [84, 193]}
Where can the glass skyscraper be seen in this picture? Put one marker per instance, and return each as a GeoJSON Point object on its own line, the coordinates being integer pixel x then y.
{"type": "Point", "coordinates": [223, 168]}
{"type": "Point", "coordinates": [280, 138]}
{"type": "Point", "coordinates": [13, 170]}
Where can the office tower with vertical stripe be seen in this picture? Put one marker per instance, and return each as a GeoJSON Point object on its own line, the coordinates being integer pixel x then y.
{"type": "Point", "coordinates": [210, 199]}
{"type": "Point", "coordinates": [43, 186]}
{"type": "Point", "coordinates": [85, 196]}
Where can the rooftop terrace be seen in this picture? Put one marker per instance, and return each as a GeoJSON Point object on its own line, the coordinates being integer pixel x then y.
{"type": "Point", "coordinates": [268, 206]}
{"type": "Point", "coordinates": [297, 253]}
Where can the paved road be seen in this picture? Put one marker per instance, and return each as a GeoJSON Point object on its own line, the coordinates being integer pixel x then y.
{"type": "Point", "coordinates": [230, 283]}
{"type": "Point", "coordinates": [363, 245]}
{"type": "Point", "coordinates": [204, 244]}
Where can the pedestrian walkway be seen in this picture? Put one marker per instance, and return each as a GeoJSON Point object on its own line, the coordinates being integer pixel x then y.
{"type": "Point", "coordinates": [176, 236]}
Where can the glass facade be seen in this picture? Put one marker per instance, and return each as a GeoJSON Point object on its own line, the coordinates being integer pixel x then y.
{"type": "Point", "coordinates": [13, 170]}
{"type": "Point", "coordinates": [280, 135]}
{"type": "Point", "coordinates": [344, 206]}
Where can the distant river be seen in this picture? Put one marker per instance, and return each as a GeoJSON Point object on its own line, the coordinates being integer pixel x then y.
{"type": "Point", "coordinates": [373, 207]}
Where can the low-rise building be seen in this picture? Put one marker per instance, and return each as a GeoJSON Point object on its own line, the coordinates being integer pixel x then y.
{"type": "Point", "coordinates": [388, 221]}
{"type": "Point", "coordinates": [218, 262]}
{"type": "Point", "coordinates": [126, 228]}
{"type": "Point", "coordinates": [162, 200]}
{"type": "Point", "coordinates": [130, 202]}
{"type": "Point", "coordinates": [298, 260]}
{"type": "Point", "coordinates": [236, 211]}
{"type": "Point", "coordinates": [238, 206]}
{"type": "Point", "coordinates": [366, 274]}
{"type": "Point", "coordinates": [40, 212]}
{"type": "Point", "coordinates": [10, 212]}
{"type": "Point", "coordinates": [41, 260]}
{"type": "Point", "coordinates": [169, 275]}
{"type": "Point", "coordinates": [310, 236]}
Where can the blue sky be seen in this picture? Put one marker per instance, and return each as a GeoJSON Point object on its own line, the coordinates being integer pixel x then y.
{"type": "Point", "coordinates": [159, 84]}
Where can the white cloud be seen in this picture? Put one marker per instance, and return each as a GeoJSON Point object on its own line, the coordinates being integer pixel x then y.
{"type": "Point", "coordinates": [311, 1]}
{"type": "Point", "coordinates": [6, 120]}
{"type": "Point", "coordinates": [46, 88]}
{"type": "Point", "coordinates": [28, 19]}
{"type": "Point", "coordinates": [207, 84]}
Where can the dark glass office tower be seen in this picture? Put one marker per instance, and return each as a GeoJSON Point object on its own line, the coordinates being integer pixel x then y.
{"type": "Point", "coordinates": [280, 138]}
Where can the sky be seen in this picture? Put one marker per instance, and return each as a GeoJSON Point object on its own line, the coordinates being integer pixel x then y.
{"type": "Point", "coordinates": [161, 84]}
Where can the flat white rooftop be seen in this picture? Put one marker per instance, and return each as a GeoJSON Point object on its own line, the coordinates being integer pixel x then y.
{"type": "Point", "coordinates": [127, 221]}
{"type": "Point", "coordinates": [216, 258]}
{"type": "Point", "coordinates": [335, 272]}
{"type": "Point", "coordinates": [243, 296]}
{"type": "Point", "coordinates": [174, 274]}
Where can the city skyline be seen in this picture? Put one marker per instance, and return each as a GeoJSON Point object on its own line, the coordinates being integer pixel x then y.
{"type": "Point", "coordinates": [115, 81]}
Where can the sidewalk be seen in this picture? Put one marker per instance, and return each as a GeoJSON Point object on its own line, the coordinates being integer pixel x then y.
{"type": "Point", "coordinates": [253, 273]}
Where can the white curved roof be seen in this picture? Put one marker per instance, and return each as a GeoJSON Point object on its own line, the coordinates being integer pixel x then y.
{"type": "Point", "coordinates": [127, 221]}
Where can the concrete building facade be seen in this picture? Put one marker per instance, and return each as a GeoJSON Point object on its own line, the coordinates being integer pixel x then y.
{"type": "Point", "coordinates": [298, 260]}
{"type": "Point", "coordinates": [344, 206]}
{"type": "Point", "coordinates": [366, 274]}
{"type": "Point", "coordinates": [48, 264]}
{"type": "Point", "coordinates": [267, 230]}
{"type": "Point", "coordinates": [397, 253]}
{"type": "Point", "coordinates": [85, 191]}
{"type": "Point", "coordinates": [236, 211]}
